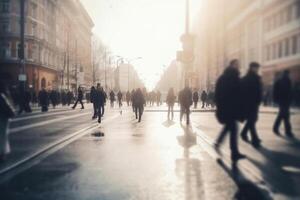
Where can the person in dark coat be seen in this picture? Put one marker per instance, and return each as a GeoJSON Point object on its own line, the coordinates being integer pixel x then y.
{"type": "Point", "coordinates": [171, 97]}
{"type": "Point", "coordinates": [99, 102]}
{"type": "Point", "coordinates": [64, 98]}
{"type": "Point", "coordinates": [79, 98]}
{"type": "Point", "coordinates": [139, 101]}
{"type": "Point", "coordinates": [211, 99]}
{"type": "Point", "coordinates": [112, 98]}
{"type": "Point", "coordinates": [43, 100]}
{"type": "Point", "coordinates": [24, 100]}
{"type": "Point", "coordinates": [251, 90]}
{"type": "Point", "coordinates": [53, 98]}
{"type": "Point", "coordinates": [204, 98]}
{"type": "Point", "coordinates": [228, 107]}
{"type": "Point", "coordinates": [92, 99]}
{"type": "Point", "coordinates": [282, 94]}
{"type": "Point", "coordinates": [185, 98]}
{"type": "Point", "coordinates": [120, 96]}
{"type": "Point", "coordinates": [128, 97]}
{"type": "Point", "coordinates": [195, 98]}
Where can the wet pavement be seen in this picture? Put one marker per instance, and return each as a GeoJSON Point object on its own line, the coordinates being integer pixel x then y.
{"type": "Point", "coordinates": [155, 159]}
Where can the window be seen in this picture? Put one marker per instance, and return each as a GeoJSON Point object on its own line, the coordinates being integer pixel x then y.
{"type": "Point", "coordinates": [33, 10]}
{"type": "Point", "coordinates": [275, 50]}
{"type": "Point", "coordinates": [4, 6]}
{"type": "Point", "coordinates": [34, 29]}
{"type": "Point", "coordinates": [298, 9]}
{"type": "Point", "coordinates": [290, 13]}
{"type": "Point", "coordinates": [280, 49]}
{"type": "Point", "coordinates": [287, 47]}
{"type": "Point", "coordinates": [4, 50]}
{"type": "Point", "coordinates": [294, 44]}
{"type": "Point", "coordinates": [4, 26]}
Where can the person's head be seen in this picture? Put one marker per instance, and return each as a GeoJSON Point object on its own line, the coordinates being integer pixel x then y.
{"type": "Point", "coordinates": [254, 67]}
{"type": "Point", "coordinates": [98, 85]}
{"type": "Point", "coordinates": [235, 64]}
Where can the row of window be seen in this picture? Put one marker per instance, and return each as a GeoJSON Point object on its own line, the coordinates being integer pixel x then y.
{"type": "Point", "coordinates": [283, 48]}
{"type": "Point", "coordinates": [282, 17]}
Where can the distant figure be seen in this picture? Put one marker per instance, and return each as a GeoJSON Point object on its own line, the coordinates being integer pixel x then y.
{"type": "Point", "coordinates": [24, 100]}
{"type": "Point", "coordinates": [112, 98]}
{"type": "Point", "coordinates": [128, 97]}
{"type": "Point", "coordinates": [211, 99]}
{"type": "Point", "coordinates": [203, 98]}
{"type": "Point", "coordinates": [228, 107]}
{"type": "Point", "coordinates": [158, 98]}
{"type": "Point", "coordinates": [139, 101]}
{"type": "Point", "coordinates": [185, 100]}
{"type": "Point", "coordinates": [120, 96]}
{"type": "Point", "coordinates": [99, 101]}
{"type": "Point", "coordinates": [43, 100]}
{"type": "Point", "coordinates": [53, 98]}
{"type": "Point", "coordinates": [79, 98]}
{"type": "Point", "coordinates": [7, 112]}
{"type": "Point", "coordinates": [92, 99]}
{"type": "Point", "coordinates": [251, 92]}
{"type": "Point", "coordinates": [70, 97]}
{"type": "Point", "coordinates": [282, 94]}
{"type": "Point", "coordinates": [195, 98]}
{"type": "Point", "coordinates": [171, 97]}
{"type": "Point", "coordinates": [64, 98]}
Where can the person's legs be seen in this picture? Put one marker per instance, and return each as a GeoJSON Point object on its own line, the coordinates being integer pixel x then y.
{"type": "Point", "coordinates": [102, 110]}
{"type": "Point", "coordinates": [233, 138]}
{"type": "Point", "coordinates": [187, 115]}
{"type": "Point", "coordinates": [95, 110]}
{"type": "Point", "coordinates": [278, 121]}
{"type": "Point", "coordinates": [172, 111]}
{"type": "Point", "coordinates": [181, 113]}
{"type": "Point", "coordinates": [254, 136]}
{"type": "Point", "coordinates": [136, 112]}
{"type": "Point", "coordinates": [286, 120]}
{"type": "Point", "coordinates": [99, 113]}
{"type": "Point", "coordinates": [245, 130]}
{"type": "Point", "coordinates": [202, 104]}
{"type": "Point", "coordinates": [74, 106]}
{"type": "Point", "coordinates": [169, 110]}
{"type": "Point", "coordinates": [140, 108]}
{"type": "Point", "coordinates": [82, 107]}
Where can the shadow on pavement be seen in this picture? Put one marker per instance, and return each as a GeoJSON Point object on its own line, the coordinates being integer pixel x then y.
{"type": "Point", "coordinates": [246, 189]}
{"type": "Point", "coordinates": [168, 123]}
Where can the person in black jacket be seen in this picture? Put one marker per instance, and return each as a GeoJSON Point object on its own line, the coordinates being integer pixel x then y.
{"type": "Point", "coordinates": [99, 101]}
{"type": "Point", "coordinates": [251, 88]}
{"type": "Point", "coordinates": [92, 99]}
{"type": "Point", "coordinates": [43, 100]}
{"type": "Point", "coordinates": [112, 98]}
{"type": "Point", "coordinates": [79, 98]}
{"type": "Point", "coordinates": [185, 100]}
{"type": "Point", "coordinates": [282, 94]}
{"type": "Point", "coordinates": [195, 98]}
{"type": "Point", "coordinates": [203, 98]}
{"type": "Point", "coordinates": [227, 96]}
{"type": "Point", "coordinates": [120, 96]}
{"type": "Point", "coordinates": [139, 101]}
{"type": "Point", "coordinates": [171, 98]}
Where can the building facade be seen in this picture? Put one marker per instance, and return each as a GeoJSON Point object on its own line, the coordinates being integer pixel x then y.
{"type": "Point", "coordinates": [266, 31]}
{"type": "Point", "coordinates": [57, 43]}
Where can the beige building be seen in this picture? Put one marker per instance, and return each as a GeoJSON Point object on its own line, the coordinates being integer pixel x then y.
{"type": "Point", "coordinates": [267, 31]}
{"type": "Point", "coordinates": [57, 43]}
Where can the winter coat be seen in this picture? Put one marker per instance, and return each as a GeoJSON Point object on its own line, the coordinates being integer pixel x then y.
{"type": "Point", "coordinates": [282, 91]}
{"type": "Point", "coordinates": [185, 97]}
{"type": "Point", "coordinates": [195, 97]}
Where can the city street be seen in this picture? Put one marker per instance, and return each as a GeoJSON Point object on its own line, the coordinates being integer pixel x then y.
{"type": "Point", "coordinates": [61, 155]}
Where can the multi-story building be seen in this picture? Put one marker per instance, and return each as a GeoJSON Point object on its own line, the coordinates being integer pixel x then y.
{"type": "Point", "coordinates": [266, 31]}
{"type": "Point", "coordinates": [57, 43]}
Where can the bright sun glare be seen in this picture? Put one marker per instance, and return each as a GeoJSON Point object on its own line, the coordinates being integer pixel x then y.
{"type": "Point", "coordinates": [140, 28]}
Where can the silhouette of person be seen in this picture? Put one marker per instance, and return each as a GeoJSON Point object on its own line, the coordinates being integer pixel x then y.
{"type": "Point", "coordinates": [92, 99]}
{"type": "Point", "coordinates": [139, 101]}
{"type": "Point", "coordinates": [24, 100]}
{"type": "Point", "coordinates": [171, 97]}
{"type": "Point", "coordinates": [251, 92]}
{"type": "Point", "coordinates": [158, 98]}
{"type": "Point", "coordinates": [128, 97]}
{"type": "Point", "coordinates": [203, 98]}
{"type": "Point", "coordinates": [228, 107]}
{"type": "Point", "coordinates": [43, 100]}
{"type": "Point", "coordinates": [112, 98]}
{"type": "Point", "coordinates": [195, 98]}
{"type": "Point", "coordinates": [70, 97]}
{"type": "Point", "coordinates": [282, 94]}
{"type": "Point", "coordinates": [120, 96]}
{"type": "Point", "coordinates": [99, 102]}
{"type": "Point", "coordinates": [79, 98]}
{"type": "Point", "coordinates": [185, 100]}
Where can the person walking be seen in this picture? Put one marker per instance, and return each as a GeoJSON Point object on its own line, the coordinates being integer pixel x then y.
{"type": "Point", "coordinates": [120, 96]}
{"type": "Point", "coordinates": [53, 98]}
{"type": "Point", "coordinates": [139, 104]}
{"type": "Point", "coordinates": [43, 100]}
{"type": "Point", "coordinates": [228, 107]}
{"type": "Point", "coordinates": [195, 98]}
{"type": "Point", "coordinates": [203, 98]}
{"type": "Point", "coordinates": [92, 99]}
{"type": "Point", "coordinates": [211, 99]}
{"type": "Point", "coordinates": [158, 98]}
{"type": "Point", "coordinates": [99, 102]}
{"type": "Point", "coordinates": [282, 94]}
{"type": "Point", "coordinates": [171, 97]}
{"type": "Point", "coordinates": [79, 98]}
{"type": "Point", "coordinates": [185, 100]}
{"type": "Point", "coordinates": [128, 97]}
{"type": "Point", "coordinates": [112, 98]}
{"type": "Point", "coordinates": [251, 92]}
{"type": "Point", "coordinates": [7, 112]}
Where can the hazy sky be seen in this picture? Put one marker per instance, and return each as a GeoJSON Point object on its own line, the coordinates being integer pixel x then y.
{"type": "Point", "coordinates": [140, 28]}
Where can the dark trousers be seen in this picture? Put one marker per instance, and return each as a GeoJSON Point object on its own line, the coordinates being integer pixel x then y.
{"type": "Point", "coordinates": [203, 104]}
{"type": "Point", "coordinates": [95, 110]}
{"type": "Point", "coordinates": [186, 110]}
{"type": "Point", "coordinates": [230, 127]}
{"type": "Point", "coordinates": [171, 111]}
{"type": "Point", "coordinates": [24, 106]}
{"type": "Point", "coordinates": [250, 126]}
{"type": "Point", "coordinates": [195, 104]}
{"type": "Point", "coordinates": [283, 115]}
{"type": "Point", "coordinates": [80, 101]}
{"type": "Point", "coordinates": [139, 112]}
{"type": "Point", "coordinates": [102, 109]}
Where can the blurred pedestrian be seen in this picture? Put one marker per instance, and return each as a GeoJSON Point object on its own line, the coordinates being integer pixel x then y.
{"type": "Point", "coordinates": [99, 101]}
{"type": "Point", "coordinates": [195, 98]}
{"type": "Point", "coordinates": [92, 99]}
{"type": "Point", "coordinates": [251, 93]}
{"type": "Point", "coordinates": [282, 94]}
{"type": "Point", "coordinates": [158, 98]}
{"type": "Point", "coordinates": [43, 100]}
{"type": "Point", "coordinates": [171, 97]}
{"type": "Point", "coordinates": [70, 97]}
{"type": "Point", "coordinates": [53, 98]}
{"type": "Point", "coordinates": [7, 112]}
{"type": "Point", "coordinates": [79, 98]}
{"type": "Point", "coordinates": [112, 98]}
{"type": "Point", "coordinates": [211, 98]}
{"type": "Point", "coordinates": [203, 98]}
{"type": "Point", "coordinates": [128, 97]}
{"type": "Point", "coordinates": [120, 96]}
{"type": "Point", "coordinates": [139, 104]}
{"type": "Point", "coordinates": [228, 107]}
{"type": "Point", "coordinates": [63, 97]}
{"type": "Point", "coordinates": [185, 100]}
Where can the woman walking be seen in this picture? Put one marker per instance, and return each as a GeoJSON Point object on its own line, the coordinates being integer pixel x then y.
{"type": "Point", "coordinates": [170, 102]}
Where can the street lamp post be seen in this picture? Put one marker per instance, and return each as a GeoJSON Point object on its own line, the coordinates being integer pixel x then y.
{"type": "Point", "coordinates": [22, 76]}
